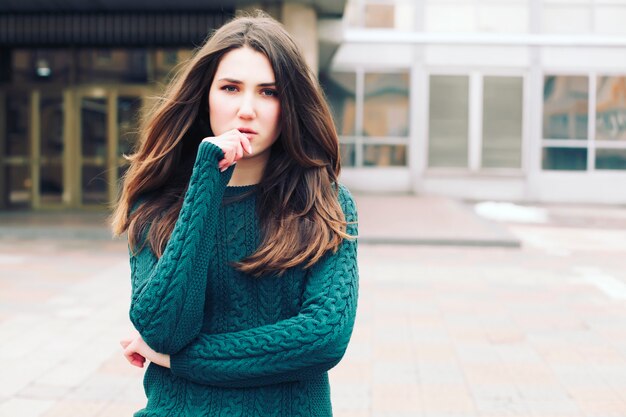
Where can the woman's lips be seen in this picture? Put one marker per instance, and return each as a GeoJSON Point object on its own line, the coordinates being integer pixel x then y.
{"type": "Point", "coordinates": [248, 132]}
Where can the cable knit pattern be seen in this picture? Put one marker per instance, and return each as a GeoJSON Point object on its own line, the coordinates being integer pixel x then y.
{"type": "Point", "coordinates": [168, 294]}
{"type": "Point", "coordinates": [239, 345]}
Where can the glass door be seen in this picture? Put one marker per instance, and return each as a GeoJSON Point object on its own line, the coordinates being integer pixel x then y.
{"type": "Point", "coordinates": [93, 155]}
{"type": "Point", "coordinates": [15, 153]}
{"type": "Point", "coordinates": [107, 129]}
{"type": "Point", "coordinates": [49, 156]}
{"type": "Point", "coordinates": [32, 148]}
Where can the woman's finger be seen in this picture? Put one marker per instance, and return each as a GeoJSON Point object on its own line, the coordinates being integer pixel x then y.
{"type": "Point", "coordinates": [135, 359]}
{"type": "Point", "coordinates": [239, 152]}
{"type": "Point", "coordinates": [138, 360]}
{"type": "Point", "coordinates": [229, 153]}
{"type": "Point", "coordinates": [245, 143]}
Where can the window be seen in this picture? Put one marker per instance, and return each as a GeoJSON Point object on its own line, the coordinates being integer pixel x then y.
{"type": "Point", "coordinates": [448, 121]}
{"type": "Point", "coordinates": [502, 122]}
{"type": "Point", "coordinates": [610, 117]}
{"type": "Point", "coordinates": [565, 102]}
{"type": "Point", "coordinates": [488, 138]}
{"type": "Point", "coordinates": [381, 14]}
{"type": "Point", "coordinates": [112, 65]}
{"type": "Point", "coordinates": [371, 112]}
{"type": "Point", "coordinates": [386, 105]}
{"type": "Point", "coordinates": [41, 66]}
{"type": "Point", "coordinates": [611, 109]}
{"type": "Point", "coordinates": [569, 142]}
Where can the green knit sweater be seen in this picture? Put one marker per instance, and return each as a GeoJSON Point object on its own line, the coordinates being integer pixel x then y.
{"type": "Point", "coordinates": [239, 345]}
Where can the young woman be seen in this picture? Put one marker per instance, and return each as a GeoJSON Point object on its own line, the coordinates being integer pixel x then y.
{"type": "Point", "coordinates": [242, 242]}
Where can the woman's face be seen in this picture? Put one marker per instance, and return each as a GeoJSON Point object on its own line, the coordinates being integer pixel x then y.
{"type": "Point", "coordinates": [243, 96]}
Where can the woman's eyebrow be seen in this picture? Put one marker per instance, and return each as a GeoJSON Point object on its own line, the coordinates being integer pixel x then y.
{"type": "Point", "coordinates": [234, 81]}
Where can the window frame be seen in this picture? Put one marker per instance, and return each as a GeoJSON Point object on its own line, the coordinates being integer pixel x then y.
{"type": "Point", "coordinates": [359, 140]}
{"type": "Point", "coordinates": [475, 121]}
{"type": "Point", "coordinates": [590, 143]}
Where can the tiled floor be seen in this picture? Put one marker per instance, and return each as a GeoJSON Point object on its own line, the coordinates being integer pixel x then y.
{"type": "Point", "coordinates": [441, 332]}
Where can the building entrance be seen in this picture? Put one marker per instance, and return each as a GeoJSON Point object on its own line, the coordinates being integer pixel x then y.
{"type": "Point", "coordinates": [64, 148]}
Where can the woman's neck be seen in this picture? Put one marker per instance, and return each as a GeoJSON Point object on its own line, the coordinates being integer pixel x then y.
{"type": "Point", "coordinates": [248, 171]}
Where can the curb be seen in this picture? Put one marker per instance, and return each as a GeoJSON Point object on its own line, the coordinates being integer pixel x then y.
{"type": "Point", "coordinates": [477, 243]}
{"type": "Point", "coordinates": [66, 233]}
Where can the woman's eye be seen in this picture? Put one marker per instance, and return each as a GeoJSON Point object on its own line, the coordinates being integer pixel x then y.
{"type": "Point", "coordinates": [229, 88]}
{"type": "Point", "coordinates": [269, 93]}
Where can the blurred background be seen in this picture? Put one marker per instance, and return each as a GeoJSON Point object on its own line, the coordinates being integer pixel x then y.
{"type": "Point", "coordinates": [519, 100]}
{"type": "Point", "coordinates": [484, 142]}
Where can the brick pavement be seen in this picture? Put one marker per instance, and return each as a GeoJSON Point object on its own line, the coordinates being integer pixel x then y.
{"type": "Point", "coordinates": [441, 331]}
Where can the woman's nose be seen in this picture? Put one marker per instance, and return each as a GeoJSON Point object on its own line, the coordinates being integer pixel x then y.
{"type": "Point", "coordinates": [246, 108]}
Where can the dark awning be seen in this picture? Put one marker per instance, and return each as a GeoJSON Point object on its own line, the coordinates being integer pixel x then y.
{"type": "Point", "coordinates": [45, 23]}
{"type": "Point", "coordinates": [108, 29]}
{"type": "Point", "coordinates": [324, 8]}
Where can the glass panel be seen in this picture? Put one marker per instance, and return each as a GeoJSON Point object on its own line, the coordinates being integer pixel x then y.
{"type": "Point", "coordinates": [17, 185]}
{"type": "Point", "coordinates": [502, 122]}
{"type": "Point", "coordinates": [51, 126]}
{"type": "Point", "coordinates": [95, 186]}
{"type": "Point", "coordinates": [348, 154]}
{"type": "Point", "coordinates": [386, 105]}
{"type": "Point", "coordinates": [379, 15]}
{"type": "Point", "coordinates": [566, 18]}
{"type": "Point", "coordinates": [611, 108]}
{"type": "Point", "coordinates": [565, 107]}
{"type": "Point", "coordinates": [566, 159]}
{"type": "Point", "coordinates": [340, 90]}
{"type": "Point", "coordinates": [17, 124]}
{"type": "Point", "coordinates": [112, 65]}
{"type": "Point", "coordinates": [42, 65]}
{"type": "Point", "coordinates": [384, 155]}
{"type": "Point", "coordinates": [166, 61]}
{"type": "Point", "coordinates": [128, 112]}
{"type": "Point", "coordinates": [51, 184]}
{"type": "Point", "coordinates": [611, 159]}
{"type": "Point", "coordinates": [93, 127]}
{"type": "Point", "coordinates": [449, 121]}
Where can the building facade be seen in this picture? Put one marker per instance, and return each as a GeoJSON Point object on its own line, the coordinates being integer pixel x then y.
{"type": "Point", "coordinates": [520, 100]}
{"type": "Point", "coordinates": [76, 77]}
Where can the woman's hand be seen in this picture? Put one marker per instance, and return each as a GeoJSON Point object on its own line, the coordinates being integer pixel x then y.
{"type": "Point", "coordinates": [137, 351]}
{"type": "Point", "coordinates": [233, 143]}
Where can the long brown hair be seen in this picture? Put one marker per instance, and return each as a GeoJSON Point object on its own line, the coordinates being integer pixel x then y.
{"type": "Point", "coordinates": [299, 215]}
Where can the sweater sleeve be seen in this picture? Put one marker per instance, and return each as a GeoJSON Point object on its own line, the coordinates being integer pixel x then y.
{"type": "Point", "coordinates": [309, 343]}
{"type": "Point", "coordinates": [167, 303]}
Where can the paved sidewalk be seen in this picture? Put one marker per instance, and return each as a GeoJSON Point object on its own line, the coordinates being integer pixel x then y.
{"type": "Point", "coordinates": [395, 219]}
{"type": "Point", "coordinates": [426, 220]}
{"type": "Point", "coordinates": [441, 331]}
